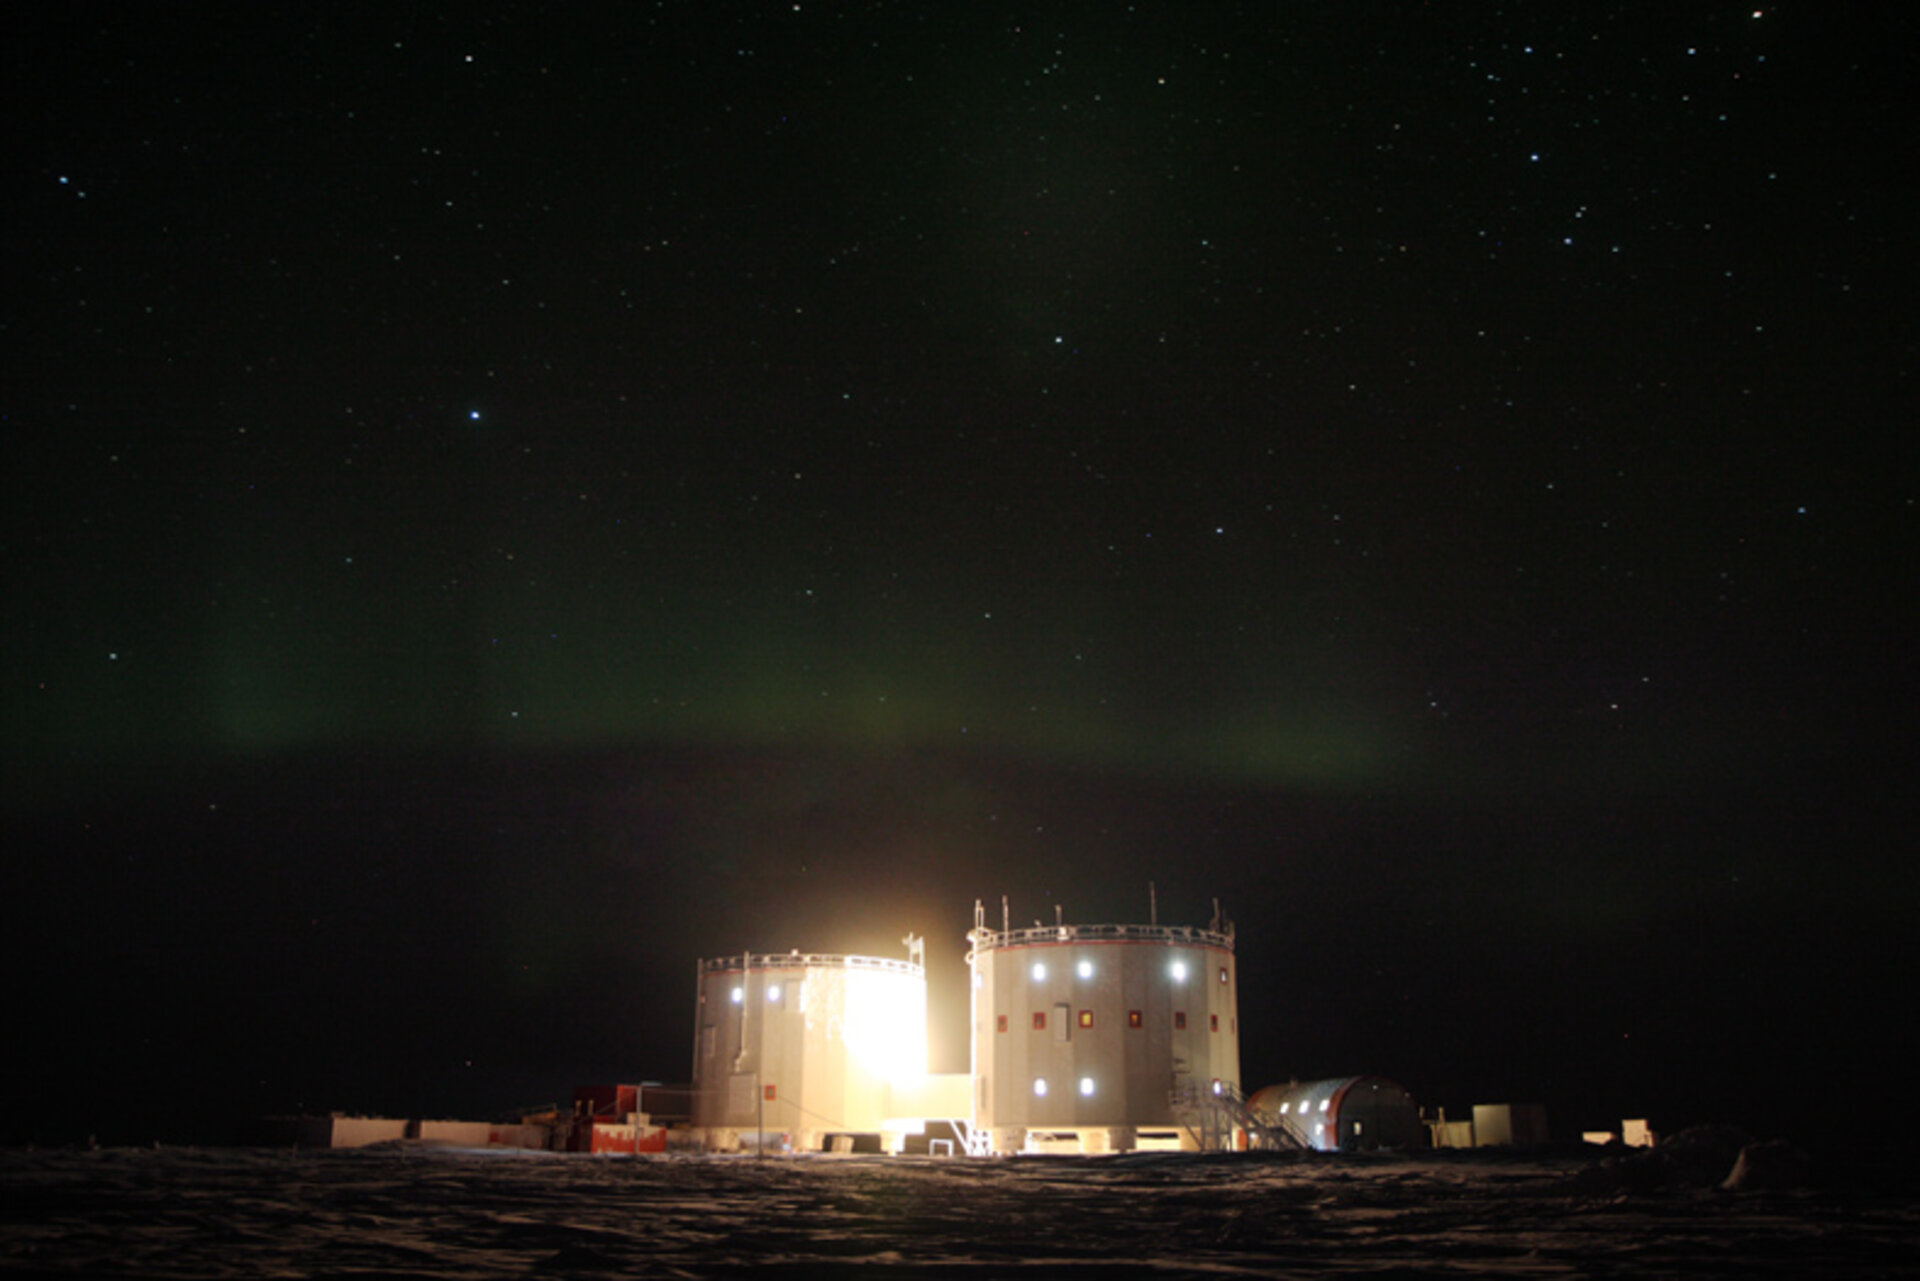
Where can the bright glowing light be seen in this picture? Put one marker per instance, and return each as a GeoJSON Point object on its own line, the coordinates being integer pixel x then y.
{"type": "Point", "coordinates": [1086, 1086]}
{"type": "Point", "coordinates": [773, 992]}
{"type": "Point", "coordinates": [739, 995]}
{"type": "Point", "coordinates": [1179, 971]}
{"type": "Point", "coordinates": [1040, 1086]}
{"type": "Point", "coordinates": [1086, 969]}
{"type": "Point", "coordinates": [1039, 971]}
{"type": "Point", "coordinates": [886, 1024]}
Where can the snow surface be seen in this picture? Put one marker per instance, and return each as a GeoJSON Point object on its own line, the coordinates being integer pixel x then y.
{"type": "Point", "coordinates": [413, 1211]}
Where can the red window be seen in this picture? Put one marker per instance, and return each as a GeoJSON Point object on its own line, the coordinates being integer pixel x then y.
{"type": "Point", "coordinates": [1039, 1020]}
{"type": "Point", "coordinates": [1214, 1019]}
{"type": "Point", "coordinates": [1179, 1020]}
{"type": "Point", "coordinates": [1133, 1018]}
{"type": "Point", "coordinates": [1003, 1022]}
{"type": "Point", "coordinates": [1086, 1018]}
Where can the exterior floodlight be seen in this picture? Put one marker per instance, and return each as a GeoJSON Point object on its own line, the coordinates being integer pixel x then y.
{"type": "Point", "coordinates": [1039, 971]}
{"type": "Point", "coordinates": [1040, 1086]}
{"type": "Point", "coordinates": [1086, 969]}
{"type": "Point", "coordinates": [1086, 1086]}
{"type": "Point", "coordinates": [739, 995]}
{"type": "Point", "coordinates": [1179, 971]}
{"type": "Point", "coordinates": [773, 993]}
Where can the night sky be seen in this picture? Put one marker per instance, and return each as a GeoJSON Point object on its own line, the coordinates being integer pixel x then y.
{"type": "Point", "coordinates": [503, 501]}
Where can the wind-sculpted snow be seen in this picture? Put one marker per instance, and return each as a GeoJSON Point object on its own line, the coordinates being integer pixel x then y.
{"type": "Point", "coordinates": [408, 1211]}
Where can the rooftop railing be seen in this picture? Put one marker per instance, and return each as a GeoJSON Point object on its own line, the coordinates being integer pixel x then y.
{"type": "Point", "coordinates": [985, 940]}
{"type": "Point", "coordinates": [807, 960]}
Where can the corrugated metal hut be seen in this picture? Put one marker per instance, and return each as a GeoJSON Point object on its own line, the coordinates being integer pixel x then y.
{"type": "Point", "coordinates": [1342, 1114]}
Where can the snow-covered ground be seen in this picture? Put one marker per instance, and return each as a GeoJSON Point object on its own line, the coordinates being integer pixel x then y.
{"type": "Point", "coordinates": [421, 1212]}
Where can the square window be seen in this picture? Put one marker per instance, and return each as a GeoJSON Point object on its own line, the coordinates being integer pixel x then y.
{"type": "Point", "coordinates": [1213, 1019]}
{"type": "Point", "coordinates": [1003, 1022]}
{"type": "Point", "coordinates": [1086, 1018]}
{"type": "Point", "coordinates": [1039, 1020]}
{"type": "Point", "coordinates": [1134, 1018]}
{"type": "Point", "coordinates": [1179, 1020]}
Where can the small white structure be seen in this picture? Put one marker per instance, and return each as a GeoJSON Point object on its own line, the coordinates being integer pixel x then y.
{"type": "Point", "coordinates": [1497, 1125]}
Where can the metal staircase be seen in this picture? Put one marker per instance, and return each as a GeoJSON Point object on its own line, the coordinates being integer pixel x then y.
{"type": "Point", "coordinates": [974, 1140]}
{"type": "Point", "coordinates": [1211, 1115]}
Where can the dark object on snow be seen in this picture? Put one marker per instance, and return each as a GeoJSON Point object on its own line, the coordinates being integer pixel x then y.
{"type": "Point", "coordinates": [1695, 1158]}
{"type": "Point", "coordinates": [1769, 1167]}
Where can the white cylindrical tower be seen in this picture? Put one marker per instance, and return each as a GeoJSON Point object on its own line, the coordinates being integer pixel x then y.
{"type": "Point", "coordinates": [792, 1049]}
{"type": "Point", "coordinates": [1101, 1037]}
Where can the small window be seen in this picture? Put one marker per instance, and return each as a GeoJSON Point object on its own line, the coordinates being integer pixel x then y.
{"type": "Point", "coordinates": [1086, 1018]}
{"type": "Point", "coordinates": [1179, 1020]}
{"type": "Point", "coordinates": [1223, 974]}
{"type": "Point", "coordinates": [1213, 1021]}
{"type": "Point", "coordinates": [1134, 1019]}
{"type": "Point", "coordinates": [1003, 1022]}
{"type": "Point", "coordinates": [1039, 1020]}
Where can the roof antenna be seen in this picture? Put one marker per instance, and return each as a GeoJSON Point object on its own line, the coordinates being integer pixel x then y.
{"type": "Point", "coordinates": [1153, 904]}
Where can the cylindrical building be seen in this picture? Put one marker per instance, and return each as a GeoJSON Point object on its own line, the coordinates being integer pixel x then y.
{"type": "Point", "coordinates": [1342, 1114]}
{"type": "Point", "coordinates": [795, 1051]}
{"type": "Point", "coordinates": [1097, 1038]}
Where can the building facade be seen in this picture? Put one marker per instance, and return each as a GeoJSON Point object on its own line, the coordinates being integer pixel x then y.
{"type": "Point", "coordinates": [793, 1049]}
{"type": "Point", "coordinates": [1100, 1038]}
